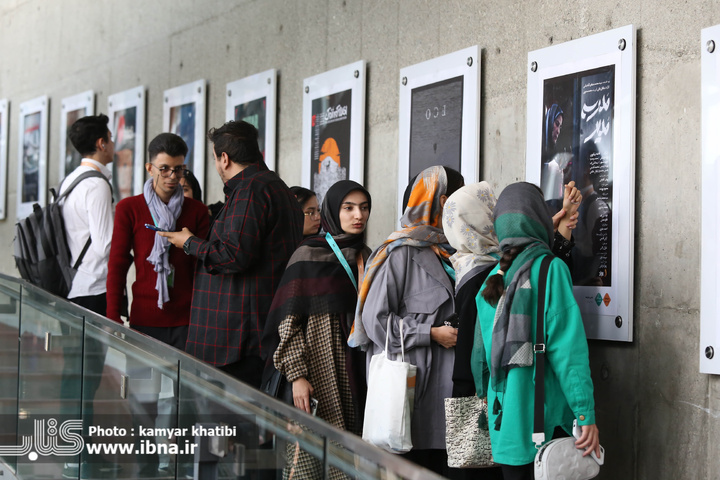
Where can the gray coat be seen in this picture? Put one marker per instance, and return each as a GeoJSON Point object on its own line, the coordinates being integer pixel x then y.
{"type": "Point", "coordinates": [413, 286]}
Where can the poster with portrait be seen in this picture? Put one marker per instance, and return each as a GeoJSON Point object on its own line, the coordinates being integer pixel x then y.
{"type": "Point", "coordinates": [126, 111]}
{"type": "Point", "coordinates": [439, 121]}
{"type": "Point", "coordinates": [72, 109]}
{"type": "Point", "coordinates": [184, 115]}
{"type": "Point", "coordinates": [709, 347]}
{"type": "Point", "coordinates": [581, 129]}
{"type": "Point", "coordinates": [32, 155]}
{"type": "Point", "coordinates": [4, 124]}
{"type": "Point", "coordinates": [253, 99]}
{"type": "Point", "coordinates": [334, 128]}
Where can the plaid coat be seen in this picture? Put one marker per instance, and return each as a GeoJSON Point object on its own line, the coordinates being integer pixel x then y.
{"type": "Point", "coordinates": [240, 265]}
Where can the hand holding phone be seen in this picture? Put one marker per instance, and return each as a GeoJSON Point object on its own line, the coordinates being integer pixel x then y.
{"type": "Point", "coordinates": [153, 227]}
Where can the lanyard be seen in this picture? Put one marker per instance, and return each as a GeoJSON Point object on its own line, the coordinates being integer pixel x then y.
{"type": "Point", "coordinates": [341, 257]}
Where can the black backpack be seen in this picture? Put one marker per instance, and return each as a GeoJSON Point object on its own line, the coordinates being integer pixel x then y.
{"type": "Point", "coordinates": [40, 247]}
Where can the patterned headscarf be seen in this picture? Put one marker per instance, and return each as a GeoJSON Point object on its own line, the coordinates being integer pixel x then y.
{"type": "Point", "coordinates": [422, 228]}
{"type": "Point", "coordinates": [522, 219]}
{"type": "Point", "coordinates": [468, 226]}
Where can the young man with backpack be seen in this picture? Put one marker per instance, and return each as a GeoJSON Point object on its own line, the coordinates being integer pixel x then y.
{"type": "Point", "coordinates": [88, 212]}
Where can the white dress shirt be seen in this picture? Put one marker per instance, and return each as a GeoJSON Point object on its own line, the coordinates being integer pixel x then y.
{"type": "Point", "coordinates": [88, 212]}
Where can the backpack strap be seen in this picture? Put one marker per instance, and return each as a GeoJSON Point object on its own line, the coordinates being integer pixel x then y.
{"type": "Point", "coordinates": [80, 178]}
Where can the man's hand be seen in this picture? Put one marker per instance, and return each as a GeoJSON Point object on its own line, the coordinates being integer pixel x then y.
{"type": "Point", "coordinates": [445, 336]}
{"type": "Point", "coordinates": [177, 238]}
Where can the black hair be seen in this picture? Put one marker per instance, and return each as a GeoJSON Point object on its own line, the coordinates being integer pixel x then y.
{"type": "Point", "coordinates": [455, 180]}
{"type": "Point", "coordinates": [406, 194]}
{"type": "Point", "coordinates": [302, 194]}
{"type": "Point", "coordinates": [168, 143]}
{"type": "Point", "coordinates": [193, 183]}
{"type": "Point", "coordinates": [239, 140]}
{"type": "Point", "coordinates": [495, 285]}
{"type": "Point", "coordinates": [85, 132]}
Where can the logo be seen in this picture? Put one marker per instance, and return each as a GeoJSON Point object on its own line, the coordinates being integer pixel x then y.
{"type": "Point", "coordinates": [598, 299]}
{"type": "Point", "coordinates": [45, 440]}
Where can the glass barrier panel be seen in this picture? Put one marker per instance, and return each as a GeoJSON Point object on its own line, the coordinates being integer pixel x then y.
{"type": "Point", "coordinates": [9, 358]}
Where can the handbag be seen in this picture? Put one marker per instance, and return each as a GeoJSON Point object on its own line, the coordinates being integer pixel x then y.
{"type": "Point", "coordinates": [390, 400]}
{"type": "Point", "coordinates": [466, 441]}
{"type": "Point", "coordinates": [557, 459]}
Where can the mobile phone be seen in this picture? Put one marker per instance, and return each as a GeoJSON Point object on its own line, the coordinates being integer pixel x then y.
{"type": "Point", "coordinates": [153, 227]}
{"type": "Point", "coordinates": [313, 405]}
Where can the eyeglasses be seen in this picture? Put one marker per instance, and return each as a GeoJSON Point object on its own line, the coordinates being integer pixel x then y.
{"type": "Point", "coordinates": [166, 171]}
{"type": "Point", "coordinates": [312, 213]}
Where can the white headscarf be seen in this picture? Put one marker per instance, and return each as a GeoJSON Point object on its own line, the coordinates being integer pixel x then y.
{"type": "Point", "coordinates": [468, 226]}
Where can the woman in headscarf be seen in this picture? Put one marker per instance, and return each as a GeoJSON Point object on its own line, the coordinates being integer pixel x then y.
{"type": "Point", "coordinates": [311, 316]}
{"type": "Point", "coordinates": [309, 205]}
{"type": "Point", "coordinates": [409, 279]}
{"type": "Point", "coordinates": [503, 361]}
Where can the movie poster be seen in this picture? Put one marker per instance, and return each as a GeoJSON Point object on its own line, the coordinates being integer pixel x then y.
{"type": "Point", "coordinates": [72, 157]}
{"type": "Point", "coordinates": [31, 157]}
{"type": "Point", "coordinates": [253, 112]}
{"type": "Point", "coordinates": [577, 144]}
{"type": "Point", "coordinates": [436, 125]}
{"type": "Point", "coordinates": [124, 131]}
{"type": "Point", "coordinates": [330, 147]}
{"type": "Point", "coordinates": [182, 123]}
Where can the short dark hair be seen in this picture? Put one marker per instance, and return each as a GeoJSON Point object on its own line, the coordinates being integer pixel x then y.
{"type": "Point", "coordinates": [239, 140]}
{"type": "Point", "coordinates": [85, 132]}
{"type": "Point", "coordinates": [168, 143]}
{"type": "Point", "coordinates": [302, 194]}
{"type": "Point", "coordinates": [193, 183]}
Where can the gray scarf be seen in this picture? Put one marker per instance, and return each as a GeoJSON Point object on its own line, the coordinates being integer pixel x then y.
{"type": "Point", "coordinates": [164, 217]}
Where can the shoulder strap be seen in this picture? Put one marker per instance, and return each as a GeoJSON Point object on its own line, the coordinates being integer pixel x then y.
{"type": "Point", "coordinates": [539, 348]}
{"type": "Point", "coordinates": [341, 257]}
{"type": "Point", "coordinates": [80, 178]}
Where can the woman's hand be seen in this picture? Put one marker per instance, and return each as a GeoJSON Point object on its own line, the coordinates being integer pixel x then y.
{"type": "Point", "coordinates": [445, 336]}
{"type": "Point", "coordinates": [589, 440]}
{"type": "Point", "coordinates": [302, 391]}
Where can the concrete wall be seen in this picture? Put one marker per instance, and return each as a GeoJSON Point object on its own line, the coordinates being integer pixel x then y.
{"type": "Point", "coordinates": [658, 416]}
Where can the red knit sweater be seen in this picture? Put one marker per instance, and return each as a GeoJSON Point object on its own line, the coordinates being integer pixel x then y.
{"type": "Point", "coordinates": [131, 238]}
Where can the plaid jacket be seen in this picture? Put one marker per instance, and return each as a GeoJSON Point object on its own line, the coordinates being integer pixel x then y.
{"type": "Point", "coordinates": [240, 265]}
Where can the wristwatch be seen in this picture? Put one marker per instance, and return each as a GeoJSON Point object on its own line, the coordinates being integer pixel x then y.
{"type": "Point", "coordinates": [186, 246]}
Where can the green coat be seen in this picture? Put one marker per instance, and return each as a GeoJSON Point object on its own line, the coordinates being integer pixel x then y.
{"type": "Point", "coordinates": [568, 386]}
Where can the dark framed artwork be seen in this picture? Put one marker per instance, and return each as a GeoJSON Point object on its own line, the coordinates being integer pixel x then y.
{"type": "Point", "coordinates": [334, 128]}
{"type": "Point", "coordinates": [253, 99]}
{"type": "Point", "coordinates": [439, 120]}
{"type": "Point", "coordinates": [72, 109]}
{"type": "Point", "coordinates": [32, 155]}
{"type": "Point", "coordinates": [581, 110]}
{"type": "Point", "coordinates": [127, 117]}
{"type": "Point", "coordinates": [184, 115]}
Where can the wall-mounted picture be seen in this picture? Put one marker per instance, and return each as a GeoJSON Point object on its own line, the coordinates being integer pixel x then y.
{"type": "Point", "coordinates": [4, 123]}
{"type": "Point", "coordinates": [581, 129]}
{"type": "Point", "coordinates": [254, 100]}
{"type": "Point", "coordinates": [184, 115]}
{"type": "Point", "coordinates": [439, 121]}
{"type": "Point", "coordinates": [126, 111]}
{"type": "Point", "coordinates": [709, 351]}
{"type": "Point", "coordinates": [72, 109]}
{"type": "Point", "coordinates": [32, 155]}
{"type": "Point", "coordinates": [333, 128]}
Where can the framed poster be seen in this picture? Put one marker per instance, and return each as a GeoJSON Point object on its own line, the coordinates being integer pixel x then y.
{"type": "Point", "coordinates": [127, 119]}
{"type": "Point", "coordinates": [710, 221]}
{"type": "Point", "coordinates": [184, 115]}
{"type": "Point", "coordinates": [333, 143]}
{"type": "Point", "coordinates": [440, 117]}
{"type": "Point", "coordinates": [254, 100]}
{"type": "Point", "coordinates": [32, 155]}
{"type": "Point", "coordinates": [72, 109]}
{"type": "Point", "coordinates": [4, 123]}
{"type": "Point", "coordinates": [581, 127]}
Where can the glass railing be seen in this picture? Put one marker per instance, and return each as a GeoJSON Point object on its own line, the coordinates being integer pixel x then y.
{"type": "Point", "coordinates": [84, 397]}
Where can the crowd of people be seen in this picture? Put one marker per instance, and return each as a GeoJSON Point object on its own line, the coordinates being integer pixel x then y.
{"type": "Point", "coordinates": [275, 285]}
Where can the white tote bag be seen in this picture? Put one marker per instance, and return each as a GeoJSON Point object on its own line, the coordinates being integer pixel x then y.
{"type": "Point", "coordinates": [390, 400]}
